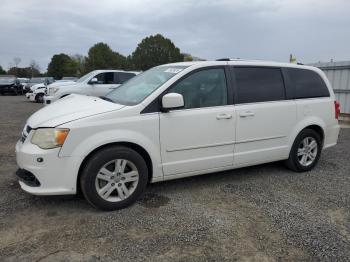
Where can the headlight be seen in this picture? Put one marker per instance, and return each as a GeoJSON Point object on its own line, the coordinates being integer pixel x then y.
{"type": "Point", "coordinates": [54, 90]}
{"type": "Point", "coordinates": [47, 138]}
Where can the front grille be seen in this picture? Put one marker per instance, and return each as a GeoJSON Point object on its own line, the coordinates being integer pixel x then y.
{"type": "Point", "coordinates": [23, 137]}
{"type": "Point", "coordinates": [25, 133]}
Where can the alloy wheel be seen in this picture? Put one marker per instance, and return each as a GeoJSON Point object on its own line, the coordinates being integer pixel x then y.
{"type": "Point", "coordinates": [117, 180]}
{"type": "Point", "coordinates": [307, 151]}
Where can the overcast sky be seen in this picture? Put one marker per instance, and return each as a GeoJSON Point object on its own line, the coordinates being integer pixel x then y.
{"type": "Point", "coordinates": [313, 30]}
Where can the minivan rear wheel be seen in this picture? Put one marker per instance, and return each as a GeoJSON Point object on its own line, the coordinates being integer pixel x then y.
{"type": "Point", "coordinates": [114, 178]}
{"type": "Point", "coordinates": [305, 152]}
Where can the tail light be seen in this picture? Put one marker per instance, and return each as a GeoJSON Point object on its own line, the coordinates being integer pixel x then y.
{"type": "Point", "coordinates": [337, 109]}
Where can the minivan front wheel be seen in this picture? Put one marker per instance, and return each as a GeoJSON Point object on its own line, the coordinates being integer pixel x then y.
{"type": "Point", "coordinates": [305, 152]}
{"type": "Point", "coordinates": [114, 177]}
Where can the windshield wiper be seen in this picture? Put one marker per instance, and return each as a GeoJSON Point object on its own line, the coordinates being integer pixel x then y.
{"type": "Point", "coordinates": [106, 98]}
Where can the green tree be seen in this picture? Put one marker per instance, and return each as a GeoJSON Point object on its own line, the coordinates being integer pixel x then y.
{"type": "Point", "coordinates": [2, 71]}
{"type": "Point", "coordinates": [101, 56]}
{"type": "Point", "coordinates": [80, 63]}
{"type": "Point", "coordinates": [155, 50]}
{"type": "Point", "coordinates": [188, 58]}
{"type": "Point", "coordinates": [27, 72]}
{"type": "Point", "coordinates": [62, 65]}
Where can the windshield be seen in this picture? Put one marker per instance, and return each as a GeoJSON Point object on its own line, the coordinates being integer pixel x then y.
{"type": "Point", "coordinates": [38, 80]}
{"type": "Point", "coordinates": [7, 80]}
{"type": "Point", "coordinates": [85, 77]}
{"type": "Point", "coordinates": [139, 87]}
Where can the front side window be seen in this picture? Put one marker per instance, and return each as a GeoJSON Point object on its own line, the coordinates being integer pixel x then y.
{"type": "Point", "coordinates": [259, 84]}
{"type": "Point", "coordinates": [204, 88]}
{"type": "Point", "coordinates": [105, 78]}
{"type": "Point", "coordinates": [307, 83]}
{"type": "Point", "coordinates": [141, 86]}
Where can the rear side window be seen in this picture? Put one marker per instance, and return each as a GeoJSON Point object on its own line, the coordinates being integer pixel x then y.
{"type": "Point", "coordinates": [123, 77]}
{"type": "Point", "coordinates": [259, 84]}
{"type": "Point", "coordinates": [307, 83]}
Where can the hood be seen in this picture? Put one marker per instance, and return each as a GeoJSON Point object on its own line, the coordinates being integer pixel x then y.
{"type": "Point", "coordinates": [59, 84]}
{"type": "Point", "coordinates": [33, 87]}
{"type": "Point", "coordinates": [70, 108]}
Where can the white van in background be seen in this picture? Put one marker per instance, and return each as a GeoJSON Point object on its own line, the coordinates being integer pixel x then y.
{"type": "Point", "coordinates": [177, 120]}
{"type": "Point", "coordinates": [95, 83]}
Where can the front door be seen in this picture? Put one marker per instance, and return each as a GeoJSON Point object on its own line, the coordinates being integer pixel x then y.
{"type": "Point", "coordinates": [201, 135]}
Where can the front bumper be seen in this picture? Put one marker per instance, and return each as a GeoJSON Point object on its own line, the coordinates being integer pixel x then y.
{"type": "Point", "coordinates": [31, 97]}
{"type": "Point", "coordinates": [49, 100]}
{"type": "Point", "coordinates": [53, 175]}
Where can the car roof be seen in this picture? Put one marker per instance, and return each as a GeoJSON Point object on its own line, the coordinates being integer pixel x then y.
{"type": "Point", "coordinates": [242, 62]}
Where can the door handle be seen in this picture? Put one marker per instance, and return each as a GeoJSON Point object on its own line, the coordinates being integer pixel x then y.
{"type": "Point", "coordinates": [223, 116]}
{"type": "Point", "coordinates": [246, 114]}
{"type": "Point", "coordinates": [112, 88]}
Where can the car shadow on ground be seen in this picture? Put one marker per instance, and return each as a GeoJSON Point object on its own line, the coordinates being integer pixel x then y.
{"type": "Point", "coordinates": [156, 193]}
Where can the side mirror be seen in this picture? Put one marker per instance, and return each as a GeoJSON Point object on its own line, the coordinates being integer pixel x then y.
{"type": "Point", "coordinates": [172, 101]}
{"type": "Point", "coordinates": [94, 81]}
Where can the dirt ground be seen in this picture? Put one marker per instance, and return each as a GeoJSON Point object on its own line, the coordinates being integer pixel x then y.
{"type": "Point", "coordinates": [261, 213]}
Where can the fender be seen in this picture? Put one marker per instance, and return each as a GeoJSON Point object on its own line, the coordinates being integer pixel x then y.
{"type": "Point", "coordinates": [86, 146]}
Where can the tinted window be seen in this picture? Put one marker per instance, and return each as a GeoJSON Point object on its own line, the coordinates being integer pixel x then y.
{"type": "Point", "coordinates": [307, 83]}
{"type": "Point", "coordinates": [105, 78]}
{"type": "Point", "coordinates": [259, 84]}
{"type": "Point", "coordinates": [123, 77]}
{"type": "Point", "coordinates": [203, 89]}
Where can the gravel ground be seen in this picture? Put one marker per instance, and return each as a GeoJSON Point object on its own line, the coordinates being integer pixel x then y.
{"type": "Point", "coordinates": [261, 213]}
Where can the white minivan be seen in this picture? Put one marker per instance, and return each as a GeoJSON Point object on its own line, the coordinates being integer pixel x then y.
{"type": "Point", "coordinates": [178, 120]}
{"type": "Point", "coordinates": [95, 83]}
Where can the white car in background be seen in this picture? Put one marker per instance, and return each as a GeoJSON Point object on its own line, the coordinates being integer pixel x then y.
{"type": "Point", "coordinates": [36, 93]}
{"type": "Point", "coordinates": [96, 83]}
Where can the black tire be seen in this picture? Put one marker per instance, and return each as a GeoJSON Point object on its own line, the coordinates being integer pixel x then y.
{"type": "Point", "coordinates": [39, 98]}
{"type": "Point", "coordinates": [293, 162]}
{"type": "Point", "coordinates": [97, 161]}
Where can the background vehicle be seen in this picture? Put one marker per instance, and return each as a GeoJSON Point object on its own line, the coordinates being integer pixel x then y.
{"type": "Point", "coordinates": [10, 85]}
{"type": "Point", "coordinates": [38, 80]}
{"type": "Point", "coordinates": [95, 83]}
{"type": "Point", "coordinates": [23, 82]}
{"type": "Point", "coordinates": [174, 121]}
{"type": "Point", "coordinates": [36, 93]}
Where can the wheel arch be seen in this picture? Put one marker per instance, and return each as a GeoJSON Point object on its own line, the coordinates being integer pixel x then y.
{"type": "Point", "coordinates": [317, 125]}
{"type": "Point", "coordinates": [142, 151]}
